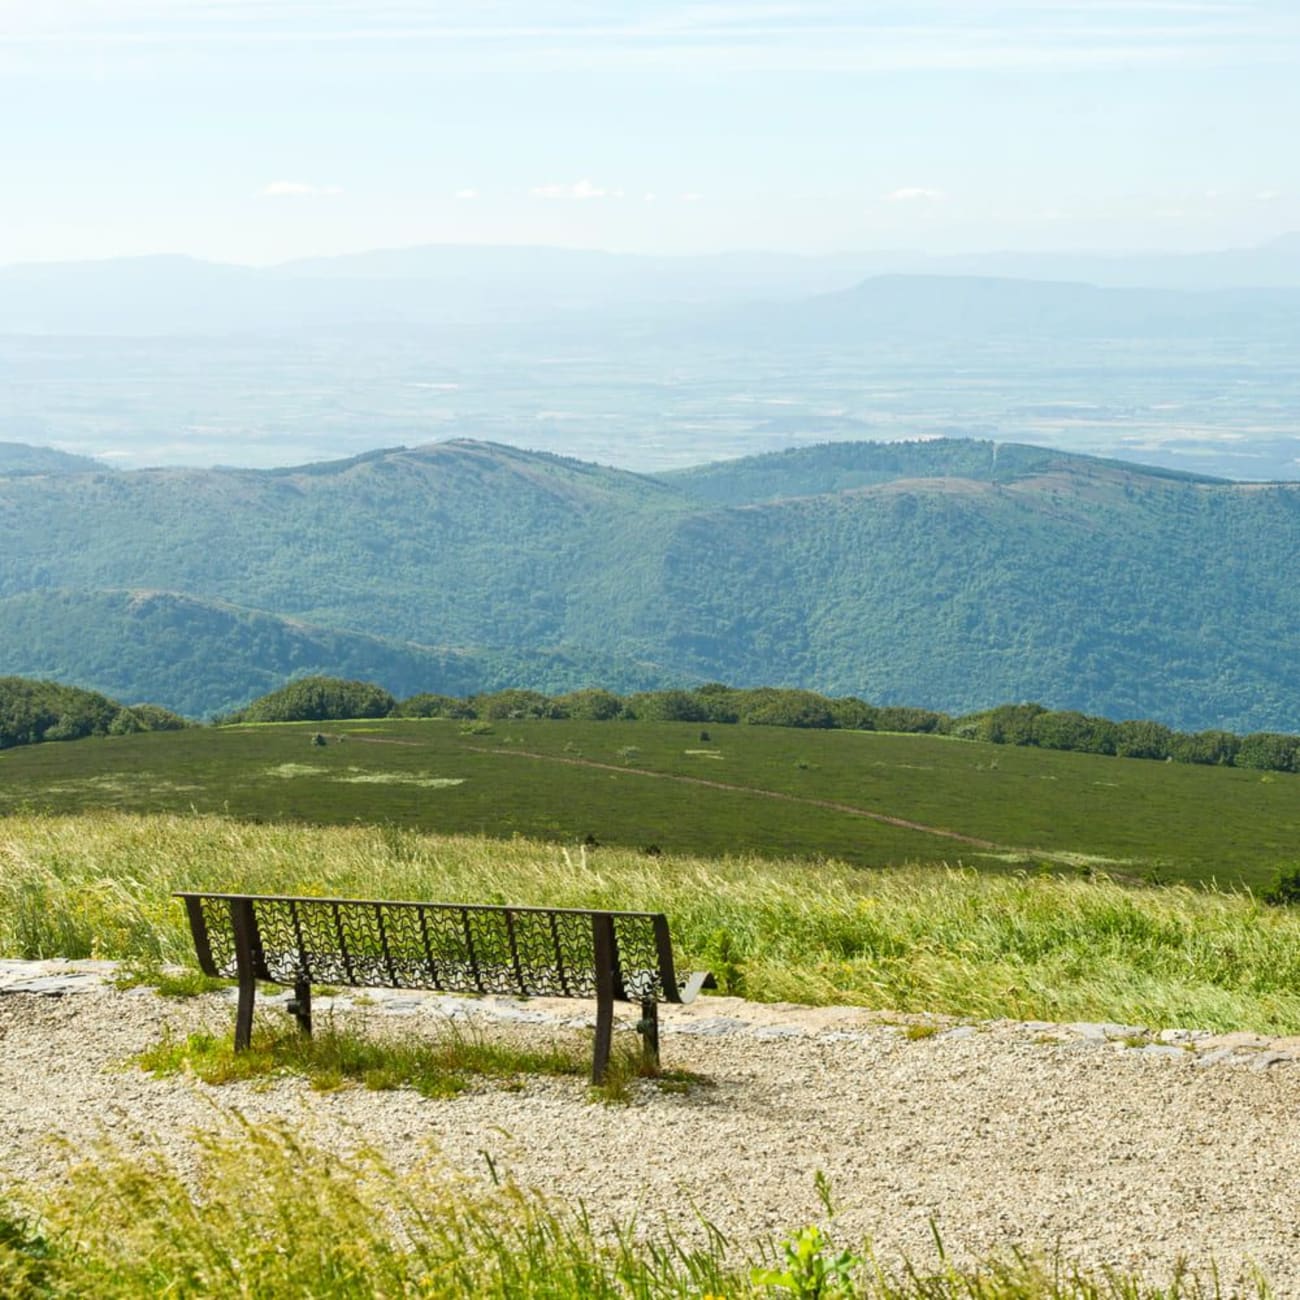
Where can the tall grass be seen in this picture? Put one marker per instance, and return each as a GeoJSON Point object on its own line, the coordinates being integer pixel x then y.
{"type": "Point", "coordinates": [261, 1212]}
{"type": "Point", "coordinates": [908, 939]}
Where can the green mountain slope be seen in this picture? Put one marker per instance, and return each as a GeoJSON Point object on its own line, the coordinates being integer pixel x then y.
{"type": "Point", "coordinates": [948, 574]}
{"type": "Point", "coordinates": [1096, 589]}
{"type": "Point", "coordinates": [205, 656]}
{"type": "Point", "coordinates": [459, 543]}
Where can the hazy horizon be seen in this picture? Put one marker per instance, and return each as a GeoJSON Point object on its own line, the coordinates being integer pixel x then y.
{"type": "Point", "coordinates": [733, 251]}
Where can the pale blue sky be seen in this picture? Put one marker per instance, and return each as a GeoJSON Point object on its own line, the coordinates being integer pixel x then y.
{"type": "Point", "coordinates": [256, 130]}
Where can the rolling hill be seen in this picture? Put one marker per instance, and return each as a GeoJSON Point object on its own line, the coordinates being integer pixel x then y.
{"type": "Point", "coordinates": [952, 574]}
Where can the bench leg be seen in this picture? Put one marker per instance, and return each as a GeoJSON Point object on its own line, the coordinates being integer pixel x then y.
{"type": "Point", "coordinates": [606, 954]}
{"type": "Point", "coordinates": [301, 1005]}
{"type": "Point", "coordinates": [244, 1014]}
{"type": "Point", "coordinates": [649, 1030]}
{"type": "Point", "coordinates": [604, 1039]}
{"type": "Point", "coordinates": [241, 915]}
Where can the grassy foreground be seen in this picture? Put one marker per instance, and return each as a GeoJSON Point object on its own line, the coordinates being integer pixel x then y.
{"type": "Point", "coordinates": [333, 1228]}
{"type": "Point", "coordinates": [908, 939]}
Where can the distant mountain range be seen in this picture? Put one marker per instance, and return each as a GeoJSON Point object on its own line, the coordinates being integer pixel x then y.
{"type": "Point", "coordinates": [458, 284]}
{"type": "Point", "coordinates": [952, 574]}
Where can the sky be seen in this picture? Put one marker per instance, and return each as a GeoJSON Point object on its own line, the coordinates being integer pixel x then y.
{"type": "Point", "coordinates": [260, 130]}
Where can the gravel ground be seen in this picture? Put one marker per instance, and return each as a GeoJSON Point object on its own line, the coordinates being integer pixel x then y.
{"type": "Point", "coordinates": [1045, 1137]}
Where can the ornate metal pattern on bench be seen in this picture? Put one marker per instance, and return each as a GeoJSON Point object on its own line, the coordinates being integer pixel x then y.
{"type": "Point", "coordinates": [449, 947]}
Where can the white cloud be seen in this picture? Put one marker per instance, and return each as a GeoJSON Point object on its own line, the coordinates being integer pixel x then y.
{"type": "Point", "coordinates": [649, 196]}
{"type": "Point", "coordinates": [691, 197]}
{"type": "Point", "coordinates": [1268, 196]}
{"type": "Point", "coordinates": [583, 189]}
{"type": "Point", "coordinates": [465, 195]}
{"type": "Point", "coordinates": [916, 194]}
{"type": "Point", "coordinates": [300, 190]}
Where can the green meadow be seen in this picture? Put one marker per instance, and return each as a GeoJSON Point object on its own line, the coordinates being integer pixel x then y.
{"type": "Point", "coordinates": [864, 798]}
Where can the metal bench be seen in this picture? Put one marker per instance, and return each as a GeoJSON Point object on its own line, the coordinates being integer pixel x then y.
{"type": "Point", "coordinates": [451, 947]}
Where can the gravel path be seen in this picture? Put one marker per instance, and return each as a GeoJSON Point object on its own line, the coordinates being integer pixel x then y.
{"type": "Point", "coordinates": [1050, 1137]}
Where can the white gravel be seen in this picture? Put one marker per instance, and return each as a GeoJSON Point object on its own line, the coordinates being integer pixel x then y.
{"type": "Point", "coordinates": [1005, 1135]}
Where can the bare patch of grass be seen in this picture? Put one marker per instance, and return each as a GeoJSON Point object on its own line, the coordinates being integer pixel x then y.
{"type": "Point", "coordinates": [357, 777]}
{"type": "Point", "coordinates": [337, 1055]}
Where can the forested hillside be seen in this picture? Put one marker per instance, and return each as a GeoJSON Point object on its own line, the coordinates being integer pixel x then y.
{"type": "Point", "coordinates": [947, 574]}
{"type": "Point", "coordinates": [206, 656]}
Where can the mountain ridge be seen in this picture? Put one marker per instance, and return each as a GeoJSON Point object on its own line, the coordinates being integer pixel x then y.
{"type": "Point", "coordinates": [178, 295]}
{"type": "Point", "coordinates": [940, 573]}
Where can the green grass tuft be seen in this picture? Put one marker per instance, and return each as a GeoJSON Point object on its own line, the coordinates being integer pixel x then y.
{"type": "Point", "coordinates": [175, 982]}
{"type": "Point", "coordinates": [260, 1211]}
{"type": "Point", "coordinates": [337, 1055]}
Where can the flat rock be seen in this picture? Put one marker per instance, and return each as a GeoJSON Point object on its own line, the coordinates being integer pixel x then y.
{"type": "Point", "coordinates": [1168, 1051]}
{"type": "Point", "coordinates": [1105, 1029]}
{"type": "Point", "coordinates": [1235, 1040]}
{"type": "Point", "coordinates": [1265, 1060]}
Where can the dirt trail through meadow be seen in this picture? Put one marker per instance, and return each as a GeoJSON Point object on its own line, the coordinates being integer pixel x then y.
{"type": "Point", "coordinates": [846, 808]}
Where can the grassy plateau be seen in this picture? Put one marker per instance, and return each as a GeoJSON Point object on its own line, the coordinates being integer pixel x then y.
{"type": "Point", "coordinates": [863, 798]}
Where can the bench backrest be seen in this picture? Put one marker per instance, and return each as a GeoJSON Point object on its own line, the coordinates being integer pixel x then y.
{"type": "Point", "coordinates": [450, 947]}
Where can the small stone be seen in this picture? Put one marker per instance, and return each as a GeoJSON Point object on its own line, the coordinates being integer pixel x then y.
{"type": "Point", "coordinates": [961, 1031]}
{"type": "Point", "coordinates": [1182, 1035]}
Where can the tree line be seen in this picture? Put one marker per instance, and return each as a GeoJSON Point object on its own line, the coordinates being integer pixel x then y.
{"type": "Point", "coordinates": [312, 699]}
{"type": "Point", "coordinates": [33, 711]}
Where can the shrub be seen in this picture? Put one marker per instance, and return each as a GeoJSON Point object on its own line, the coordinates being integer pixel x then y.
{"type": "Point", "coordinates": [1142, 739]}
{"type": "Point", "coordinates": [1285, 889]}
{"type": "Point", "coordinates": [514, 705]}
{"type": "Point", "coordinates": [319, 699]}
{"type": "Point", "coordinates": [590, 705]}
{"type": "Point", "coordinates": [1269, 752]}
{"type": "Point", "coordinates": [429, 705]}
{"type": "Point", "coordinates": [893, 717]}
{"type": "Point", "coordinates": [668, 706]}
{"type": "Point", "coordinates": [1210, 747]}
